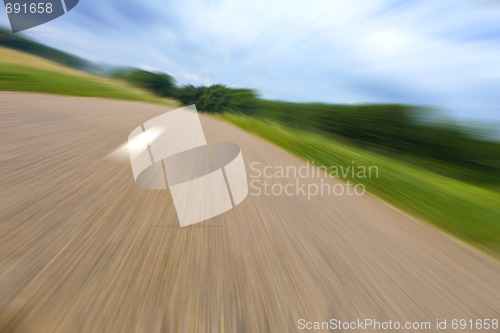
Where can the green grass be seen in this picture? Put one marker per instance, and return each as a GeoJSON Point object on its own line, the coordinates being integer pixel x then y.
{"type": "Point", "coordinates": [22, 72]}
{"type": "Point", "coordinates": [466, 211]}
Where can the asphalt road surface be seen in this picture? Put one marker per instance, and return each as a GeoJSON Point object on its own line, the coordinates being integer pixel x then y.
{"type": "Point", "coordinates": [83, 249]}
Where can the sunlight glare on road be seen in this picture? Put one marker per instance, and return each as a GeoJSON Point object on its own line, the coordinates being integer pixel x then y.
{"type": "Point", "coordinates": [140, 142]}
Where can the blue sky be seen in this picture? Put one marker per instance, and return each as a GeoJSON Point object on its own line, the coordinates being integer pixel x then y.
{"type": "Point", "coordinates": [443, 53]}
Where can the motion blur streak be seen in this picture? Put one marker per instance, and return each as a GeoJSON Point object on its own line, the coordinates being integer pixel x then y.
{"type": "Point", "coordinates": [142, 141]}
{"type": "Point", "coordinates": [82, 249]}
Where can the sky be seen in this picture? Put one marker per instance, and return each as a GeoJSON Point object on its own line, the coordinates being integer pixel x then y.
{"type": "Point", "coordinates": [438, 53]}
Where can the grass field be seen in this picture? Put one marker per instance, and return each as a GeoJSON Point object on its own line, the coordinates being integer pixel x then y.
{"type": "Point", "coordinates": [466, 211]}
{"type": "Point", "coordinates": [23, 72]}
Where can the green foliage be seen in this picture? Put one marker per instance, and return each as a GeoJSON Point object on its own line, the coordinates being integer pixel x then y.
{"type": "Point", "coordinates": [218, 98]}
{"type": "Point", "coordinates": [189, 94]}
{"type": "Point", "coordinates": [160, 84]}
{"type": "Point", "coordinates": [396, 129]}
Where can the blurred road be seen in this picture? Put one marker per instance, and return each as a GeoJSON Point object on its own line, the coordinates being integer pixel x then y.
{"type": "Point", "coordinates": [83, 249]}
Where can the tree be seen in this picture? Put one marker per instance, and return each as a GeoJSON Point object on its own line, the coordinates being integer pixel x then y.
{"type": "Point", "coordinates": [218, 98]}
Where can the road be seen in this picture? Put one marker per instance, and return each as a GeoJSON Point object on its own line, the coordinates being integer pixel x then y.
{"type": "Point", "coordinates": [83, 249]}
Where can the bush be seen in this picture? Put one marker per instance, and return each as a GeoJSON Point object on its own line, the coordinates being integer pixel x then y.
{"type": "Point", "coordinates": [189, 94]}
{"type": "Point", "coordinates": [218, 98]}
